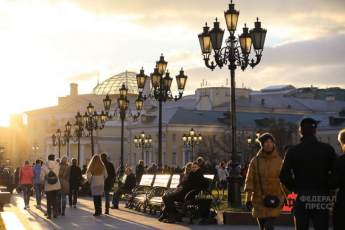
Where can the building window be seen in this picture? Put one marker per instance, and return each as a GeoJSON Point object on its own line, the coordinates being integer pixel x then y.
{"type": "Point", "coordinates": [173, 161]}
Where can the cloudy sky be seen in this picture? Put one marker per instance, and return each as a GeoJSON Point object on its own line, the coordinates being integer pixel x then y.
{"type": "Point", "coordinates": [45, 45]}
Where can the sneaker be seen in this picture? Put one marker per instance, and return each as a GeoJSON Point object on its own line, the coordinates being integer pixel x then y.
{"type": "Point", "coordinates": [74, 206]}
{"type": "Point", "coordinates": [106, 212]}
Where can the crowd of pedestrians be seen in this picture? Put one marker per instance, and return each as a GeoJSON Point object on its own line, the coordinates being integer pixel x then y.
{"type": "Point", "coordinates": [310, 169]}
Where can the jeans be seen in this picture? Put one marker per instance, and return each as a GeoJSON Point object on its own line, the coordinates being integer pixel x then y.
{"type": "Point", "coordinates": [97, 201]}
{"type": "Point", "coordinates": [38, 193]}
{"type": "Point", "coordinates": [62, 202]}
{"type": "Point", "coordinates": [266, 223]}
{"type": "Point", "coordinates": [51, 202]}
{"type": "Point", "coordinates": [26, 193]}
{"type": "Point", "coordinates": [73, 196]}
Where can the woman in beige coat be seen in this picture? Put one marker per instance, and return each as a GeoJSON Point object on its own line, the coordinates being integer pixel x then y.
{"type": "Point", "coordinates": [263, 180]}
{"type": "Point", "coordinates": [64, 173]}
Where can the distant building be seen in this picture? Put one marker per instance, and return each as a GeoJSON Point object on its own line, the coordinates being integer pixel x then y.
{"type": "Point", "coordinates": [207, 111]}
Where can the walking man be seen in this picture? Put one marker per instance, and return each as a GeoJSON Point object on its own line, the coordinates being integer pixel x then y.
{"type": "Point", "coordinates": [109, 181]}
{"type": "Point", "coordinates": [37, 182]}
{"type": "Point", "coordinates": [306, 171]}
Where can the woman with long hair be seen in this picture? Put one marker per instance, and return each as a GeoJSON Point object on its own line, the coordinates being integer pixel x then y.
{"type": "Point", "coordinates": [64, 173]}
{"type": "Point", "coordinates": [338, 181]}
{"type": "Point", "coordinates": [96, 174]}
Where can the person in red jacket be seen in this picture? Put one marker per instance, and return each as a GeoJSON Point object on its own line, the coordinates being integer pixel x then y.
{"type": "Point", "coordinates": [25, 180]}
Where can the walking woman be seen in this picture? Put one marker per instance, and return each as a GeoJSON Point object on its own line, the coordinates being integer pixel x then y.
{"type": "Point", "coordinates": [264, 194]}
{"type": "Point", "coordinates": [64, 174]}
{"type": "Point", "coordinates": [25, 179]}
{"type": "Point", "coordinates": [96, 175]}
{"type": "Point", "coordinates": [338, 181]}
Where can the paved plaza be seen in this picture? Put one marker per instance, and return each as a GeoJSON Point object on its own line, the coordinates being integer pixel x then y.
{"type": "Point", "coordinates": [16, 218]}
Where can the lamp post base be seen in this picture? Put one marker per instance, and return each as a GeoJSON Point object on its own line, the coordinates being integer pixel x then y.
{"type": "Point", "coordinates": [234, 187]}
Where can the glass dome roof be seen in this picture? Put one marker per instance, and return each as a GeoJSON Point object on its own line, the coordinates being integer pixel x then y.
{"type": "Point", "coordinates": [114, 83]}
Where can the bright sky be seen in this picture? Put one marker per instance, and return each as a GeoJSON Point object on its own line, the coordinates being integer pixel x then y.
{"type": "Point", "coordinates": [45, 45]}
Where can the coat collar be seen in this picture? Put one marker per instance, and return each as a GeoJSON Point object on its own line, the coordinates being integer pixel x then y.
{"type": "Point", "coordinates": [262, 154]}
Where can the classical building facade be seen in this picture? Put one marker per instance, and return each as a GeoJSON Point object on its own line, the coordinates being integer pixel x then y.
{"type": "Point", "coordinates": [207, 111]}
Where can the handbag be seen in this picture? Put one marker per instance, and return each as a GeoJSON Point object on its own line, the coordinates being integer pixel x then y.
{"type": "Point", "coordinates": [269, 201]}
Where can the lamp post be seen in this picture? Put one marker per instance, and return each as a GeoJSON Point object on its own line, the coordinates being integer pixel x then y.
{"type": "Point", "coordinates": [122, 107]}
{"type": "Point", "coordinates": [253, 143]}
{"type": "Point", "coordinates": [93, 121]}
{"type": "Point", "coordinates": [35, 147]}
{"type": "Point", "coordinates": [142, 141]}
{"type": "Point", "coordinates": [191, 139]}
{"type": "Point", "coordinates": [234, 54]}
{"type": "Point", "coordinates": [58, 140]}
{"type": "Point", "coordinates": [67, 136]}
{"type": "Point", "coordinates": [161, 92]}
{"type": "Point", "coordinates": [78, 132]}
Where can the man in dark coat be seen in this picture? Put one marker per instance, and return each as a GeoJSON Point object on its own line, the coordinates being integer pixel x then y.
{"type": "Point", "coordinates": [139, 171]}
{"type": "Point", "coordinates": [194, 181]}
{"type": "Point", "coordinates": [125, 188]}
{"type": "Point", "coordinates": [74, 183]}
{"type": "Point", "coordinates": [306, 171]}
{"type": "Point", "coordinates": [109, 181]}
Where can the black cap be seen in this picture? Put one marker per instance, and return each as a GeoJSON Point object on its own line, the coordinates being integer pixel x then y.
{"type": "Point", "coordinates": [309, 123]}
{"type": "Point", "coordinates": [264, 137]}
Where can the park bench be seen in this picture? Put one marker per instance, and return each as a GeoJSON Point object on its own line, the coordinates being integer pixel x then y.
{"type": "Point", "coordinates": [190, 206]}
{"type": "Point", "coordinates": [5, 197]}
{"type": "Point", "coordinates": [160, 184]}
{"type": "Point", "coordinates": [154, 199]}
{"type": "Point", "coordinates": [140, 190]}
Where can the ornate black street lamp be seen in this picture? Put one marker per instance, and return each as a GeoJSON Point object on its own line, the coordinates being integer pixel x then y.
{"type": "Point", "coordinates": [234, 54]}
{"type": "Point", "coordinates": [190, 140]}
{"type": "Point", "coordinates": [161, 91]}
{"type": "Point", "coordinates": [142, 141]}
{"type": "Point", "coordinates": [67, 136]}
{"type": "Point", "coordinates": [78, 132]}
{"type": "Point", "coordinates": [93, 121]}
{"type": "Point", "coordinates": [122, 107]}
{"type": "Point", "coordinates": [58, 140]}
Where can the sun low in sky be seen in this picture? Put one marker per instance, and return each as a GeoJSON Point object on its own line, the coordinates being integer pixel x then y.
{"type": "Point", "coordinates": [45, 45]}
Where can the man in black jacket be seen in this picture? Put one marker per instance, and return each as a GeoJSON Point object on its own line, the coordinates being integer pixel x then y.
{"type": "Point", "coordinates": [109, 181]}
{"type": "Point", "coordinates": [139, 171]}
{"type": "Point", "coordinates": [74, 183]}
{"type": "Point", "coordinates": [306, 171]}
{"type": "Point", "coordinates": [194, 181]}
{"type": "Point", "coordinates": [124, 188]}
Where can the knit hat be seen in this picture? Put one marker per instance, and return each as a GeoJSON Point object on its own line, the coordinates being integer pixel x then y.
{"type": "Point", "coordinates": [309, 123]}
{"type": "Point", "coordinates": [264, 137]}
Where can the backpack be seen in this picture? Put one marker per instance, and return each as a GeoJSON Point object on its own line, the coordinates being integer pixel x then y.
{"type": "Point", "coordinates": [51, 177]}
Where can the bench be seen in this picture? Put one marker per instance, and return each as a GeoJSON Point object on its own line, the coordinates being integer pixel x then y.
{"type": "Point", "coordinates": [140, 191]}
{"type": "Point", "coordinates": [160, 187]}
{"type": "Point", "coordinates": [190, 206]}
